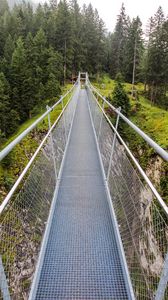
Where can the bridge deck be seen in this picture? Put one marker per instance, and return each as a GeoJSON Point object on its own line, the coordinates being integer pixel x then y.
{"type": "Point", "coordinates": [81, 259]}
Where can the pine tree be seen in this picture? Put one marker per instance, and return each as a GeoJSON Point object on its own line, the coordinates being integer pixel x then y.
{"type": "Point", "coordinates": [2, 37]}
{"type": "Point", "coordinates": [64, 36]}
{"type": "Point", "coordinates": [4, 104]}
{"type": "Point", "coordinates": [40, 45]}
{"type": "Point", "coordinates": [133, 51]}
{"type": "Point", "coordinates": [89, 39]}
{"type": "Point", "coordinates": [20, 81]}
{"type": "Point", "coordinates": [100, 44]}
{"type": "Point", "coordinates": [78, 50]}
{"type": "Point", "coordinates": [93, 40]}
{"type": "Point", "coordinates": [54, 4]}
{"type": "Point", "coordinates": [118, 42]}
{"type": "Point", "coordinates": [52, 87]}
{"type": "Point", "coordinates": [119, 96]}
{"type": "Point", "coordinates": [3, 7]}
{"type": "Point", "coordinates": [36, 72]}
{"type": "Point", "coordinates": [39, 18]}
{"type": "Point", "coordinates": [40, 57]}
{"type": "Point", "coordinates": [19, 61]}
{"type": "Point", "coordinates": [55, 64]}
{"type": "Point", "coordinates": [9, 118]}
{"type": "Point", "coordinates": [144, 62]}
{"type": "Point", "coordinates": [7, 57]}
{"type": "Point", "coordinates": [9, 48]}
{"type": "Point", "coordinates": [157, 58]}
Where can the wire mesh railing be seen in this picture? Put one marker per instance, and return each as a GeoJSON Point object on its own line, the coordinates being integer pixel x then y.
{"type": "Point", "coordinates": [24, 215]}
{"type": "Point", "coordinates": [142, 221]}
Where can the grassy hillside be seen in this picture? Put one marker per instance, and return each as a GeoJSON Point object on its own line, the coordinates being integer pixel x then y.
{"type": "Point", "coordinates": [151, 119]}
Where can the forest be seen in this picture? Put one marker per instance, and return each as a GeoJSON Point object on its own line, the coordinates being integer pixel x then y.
{"type": "Point", "coordinates": [42, 48]}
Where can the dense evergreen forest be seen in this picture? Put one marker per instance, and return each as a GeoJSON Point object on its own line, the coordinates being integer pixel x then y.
{"type": "Point", "coordinates": [42, 48]}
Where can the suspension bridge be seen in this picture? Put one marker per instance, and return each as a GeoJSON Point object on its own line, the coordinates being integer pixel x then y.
{"type": "Point", "coordinates": [83, 221]}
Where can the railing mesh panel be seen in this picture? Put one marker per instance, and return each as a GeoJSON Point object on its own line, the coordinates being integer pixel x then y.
{"type": "Point", "coordinates": [23, 221]}
{"type": "Point", "coordinates": [142, 223]}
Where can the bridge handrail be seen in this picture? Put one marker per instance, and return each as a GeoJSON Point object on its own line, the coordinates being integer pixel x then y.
{"type": "Point", "coordinates": [147, 180]}
{"type": "Point", "coordinates": [163, 153]}
{"type": "Point", "coordinates": [16, 141]}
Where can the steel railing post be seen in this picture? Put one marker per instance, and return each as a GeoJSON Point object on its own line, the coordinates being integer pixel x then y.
{"type": "Point", "coordinates": [52, 143]}
{"type": "Point", "coordinates": [113, 144]}
{"type": "Point", "coordinates": [94, 114]}
{"type": "Point", "coordinates": [79, 78]}
{"type": "Point", "coordinates": [163, 281]}
{"type": "Point", "coordinates": [3, 283]}
{"type": "Point", "coordinates": [62, 103]}
{"type": "Point", "coordinates": [87, 78]}
{"type": "Point", "coordinates": [101, 120]}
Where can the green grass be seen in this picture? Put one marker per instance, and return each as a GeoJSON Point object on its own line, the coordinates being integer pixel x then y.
{"type": "Point", "coordinates": [151, 119]}
{"type": "Point", "coordinates": [105, 86]}
{"type": "Point", "coordinates": [21, 128]}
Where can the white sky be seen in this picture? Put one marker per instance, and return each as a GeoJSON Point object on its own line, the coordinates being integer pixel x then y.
{"type": "Point", "coordinates": [109, 9]}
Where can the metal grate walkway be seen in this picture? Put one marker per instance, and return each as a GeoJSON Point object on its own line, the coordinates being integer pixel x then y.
{"type": "Point", "coordinates": [81, 259]}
